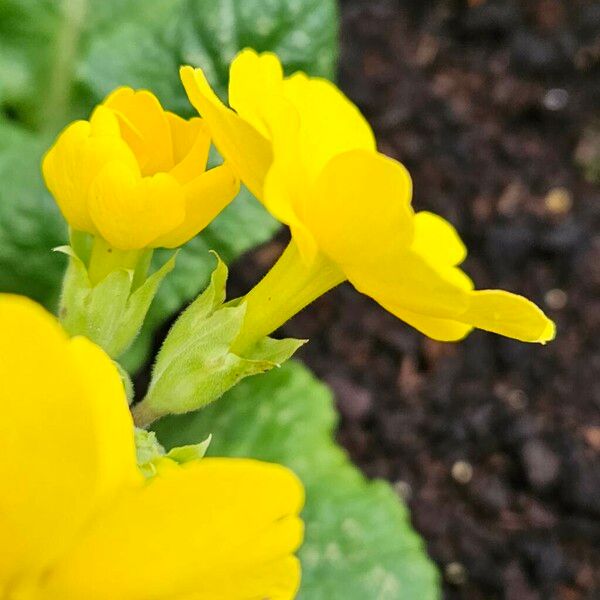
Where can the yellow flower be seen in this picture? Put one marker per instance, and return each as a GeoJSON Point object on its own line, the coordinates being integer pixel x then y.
{"type": "Point", "coordinates": [135, 174]}
{"type": "Point", "coordinates": [328, 123]}
{"type": "Point", "coordinates": [78, 521]}
{"type": "Point", "coordinates": [306, 152]}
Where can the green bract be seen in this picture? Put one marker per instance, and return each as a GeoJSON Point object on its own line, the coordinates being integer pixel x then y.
{"type": "Point", "coordinates": [111, 311]}
{"type": "Point", "coordinates": [196, 364]}
{"type": "Point", "coordinates": [151, 455]}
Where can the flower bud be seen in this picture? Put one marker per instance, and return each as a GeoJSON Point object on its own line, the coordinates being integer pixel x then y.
{"type": "Point", "coordinates": [135, 174]}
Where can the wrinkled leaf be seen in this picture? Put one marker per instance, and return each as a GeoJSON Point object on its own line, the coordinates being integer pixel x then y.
{"type": "Point", "coordinates": [359, 542]}
{"type": "Point", "coordinates": [206, 33]}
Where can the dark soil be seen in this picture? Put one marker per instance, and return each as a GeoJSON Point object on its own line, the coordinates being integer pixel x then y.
{"type": "Point", "coordinates": [494, 444]}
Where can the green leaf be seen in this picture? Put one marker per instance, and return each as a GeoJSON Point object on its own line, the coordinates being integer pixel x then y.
{"type": "Point", "coordinates": [359, 542]}
{"type": "Point", "coordinates": [206, 33]}
{"type": "Point", "coordinates": [94, 46]}
{"type": "Point", "coordinates": [58, 58]}
{"type": "Point", "coordinates": [30, 224]}
{"type": "Point", "coordinates": [28, 36]}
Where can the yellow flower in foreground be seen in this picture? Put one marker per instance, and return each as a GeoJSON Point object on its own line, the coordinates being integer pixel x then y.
{"type": "Point", "coordinates": [306, 152]}
{"type": "Point", "coordinates": [78, 521]}
{"type": "Point", "coordinates": [135, 174]}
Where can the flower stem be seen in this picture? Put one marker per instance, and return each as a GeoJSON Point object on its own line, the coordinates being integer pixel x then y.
{"type": "Point", "coordinates": [285, 290]}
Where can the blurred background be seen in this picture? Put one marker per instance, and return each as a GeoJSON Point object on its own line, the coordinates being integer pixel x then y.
{"type": "Point", "coordinates": [495, 445]}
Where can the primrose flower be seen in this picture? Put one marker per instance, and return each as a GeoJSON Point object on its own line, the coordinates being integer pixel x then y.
{"type": "Point", "coordinates": [78, 520]}
{"type": "Point", "coordinates": [308, 154]}
{"type": "Point", "coordinates": [134, 174]}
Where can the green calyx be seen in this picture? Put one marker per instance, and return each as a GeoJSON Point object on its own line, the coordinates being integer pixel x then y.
{"type": "Point", "coordinates": [106, 293]}
{"type": "Point", "coordinates": [152, 457]}
{"type": "Point", "coordinates": [196, 364]}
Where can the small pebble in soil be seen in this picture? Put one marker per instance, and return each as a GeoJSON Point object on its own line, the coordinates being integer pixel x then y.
{"type": "Point", "coordinates": [555, 99]}
{"type": "Point", "coordinates": [489, 493]}
{"type": "Point", "coordinates": [542, 465]}
{"type": "Point", "coordinates": [517, 399]}
{"type": "Point", "coordinates": [558, 201]}
{"type": "Point", "coordinates": [462, 472]}
{"type": "Point", "coordinates": [592, 437]}
{"type": "Point", "coordinates": [403, 489]}
{"type": "Point", "coordinates": [556, 299]}
{"type": "Point", "coordinates": [355, 402]}
{"type": "Point", "coordinates": [455, 573]}
{"type": "Point", "coordinates": [512, 197]}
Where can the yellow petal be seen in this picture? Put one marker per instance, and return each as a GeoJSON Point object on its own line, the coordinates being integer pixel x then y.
{"type": "Point", "coordinates": [191, 144]}
{"type": "Point", "coordinates": [72, 163]}
{"type": "Point", "coordinates": [131, 212]}
{"type": "Point", "coordinates": [253, 80]}
{"type": "Point", "coordinates": [144, 127]}
{"type": "Point", "coordinates": [510, 315]}
{"type": "Point", "coordinates": [437, 301]}
{"type": "Point", "coordinates": [329, 123]}
{"type": "Point", "coordinates": [213, 530]}
{"type": "Point", "coordinates": [66, 437]}
{"type": "Point", "coordinates": [286, 187]}
{"type": "Point", "coordinates": [360, 208]}
{"type": "Point", "coordinates": [442, 330]}
{"type": "Point", "coordinates": [115, 444]}
{"type": "Point", "coordinates": [405, 281]}
{"type": "Point", "coordinates": [437, 240]}
{"type": "Point", "coordinates": [248, 151]}
{"type": "Point", "coordinates": [493, 310]}
{"type": "Point", "coordinates": [205, 197]}
{"type": "Point", "coordinates": [105, 122]}
{"type": "Point", "coordinates": [278, 580]}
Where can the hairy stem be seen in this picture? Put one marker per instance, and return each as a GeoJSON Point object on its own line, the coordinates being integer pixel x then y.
{"type": "Point", "coordinates": [285, 290]}
{"type": "Point", "coordinates": [143, 415]}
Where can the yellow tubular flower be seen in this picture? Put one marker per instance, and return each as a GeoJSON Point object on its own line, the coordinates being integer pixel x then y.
{"type": "Point", "coordinates": [78, 521]}
{"type": "Point", "coordinates": [307, 153]}
{"type": "Point", "coordinates": [134, 174]}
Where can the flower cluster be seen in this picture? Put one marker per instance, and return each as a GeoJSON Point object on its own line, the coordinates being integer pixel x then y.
{"type": "Point", "coordinates": [83, 486]}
